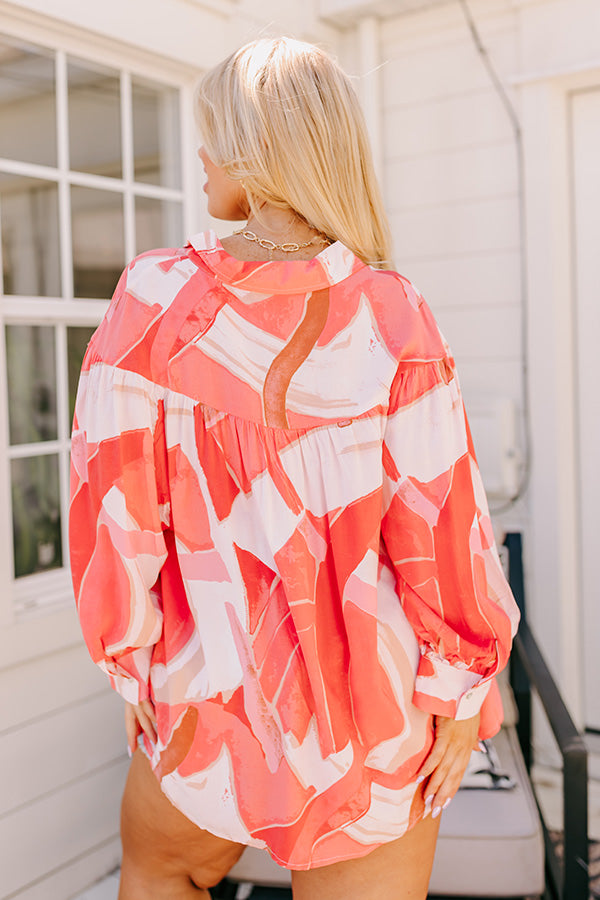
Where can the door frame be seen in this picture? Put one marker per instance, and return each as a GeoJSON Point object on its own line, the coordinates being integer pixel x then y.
{"type": "Point", "coordinates": [552, 548]}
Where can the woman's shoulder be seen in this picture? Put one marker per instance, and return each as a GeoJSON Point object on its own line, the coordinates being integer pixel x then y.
{"type": "Point", "coordinates": [147, 299]}
{"type": "Point", "coordinates": [404, 320]}
{"type": "Point", "coordinates": [156, 276]}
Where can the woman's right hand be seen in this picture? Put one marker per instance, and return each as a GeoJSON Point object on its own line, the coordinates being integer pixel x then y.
{"type": "Point", "coordinates": [138, 719]}
{"type": "Point", "coordinates": [447, 761]}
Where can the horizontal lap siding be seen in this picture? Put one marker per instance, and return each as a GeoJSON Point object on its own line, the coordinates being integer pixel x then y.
{"type": "Point", "coordinates": [430, 56]}
{"type": "Point", "coordinates": [60, 828]}
{"type": "Point", "coordinates": [465, 229]}
{"type": "Point", "coordinates": [69, 879]}
{"type": "Point", "coordinates": [444, 123]}
{"type": "Point", "coordinates": [46, 684]}
{"type": "Point", "coordinates": [451, 185]}
{"type": "Point", "coordinates": [492, 282]}
{"type": "Point", "coordinates": [451, 177]}
{"type": "Point", "coordinates": [62, 752]}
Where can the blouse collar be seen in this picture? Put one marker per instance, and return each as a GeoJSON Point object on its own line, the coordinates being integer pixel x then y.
{"type": "Point", "coordinates": [332, 265]}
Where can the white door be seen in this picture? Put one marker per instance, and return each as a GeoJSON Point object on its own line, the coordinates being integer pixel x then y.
{"type": "Point", "coordinates": [585, 118]}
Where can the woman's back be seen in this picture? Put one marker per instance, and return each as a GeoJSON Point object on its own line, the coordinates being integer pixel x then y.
{"type": "Point", "coordinates": [265, 423]}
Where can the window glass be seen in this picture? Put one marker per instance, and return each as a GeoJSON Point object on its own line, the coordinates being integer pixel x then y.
{"type": "Point", "coordinates": [158, 223]}
{"type": "Point", "coordinates": [30, 236]}
{"type": "Point", "coordinates": [156, 132]}
{"type": "Point", "coordinates": [27, 103]}
{"type": "Point", "coordinates": [98, 241]}
{"type": "Point", "coordinates": [94, 119]}
{"type": "Point", "coordinates": [36, 243]}
{"type": "Point", "coordinates": [31, 379]}
{"type": "Point", "coordinates": [77, 340]}
{"type": "Point", "coordinates": [36, 514]}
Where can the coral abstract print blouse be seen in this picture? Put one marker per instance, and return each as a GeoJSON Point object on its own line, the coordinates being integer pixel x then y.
{"type": "Point", "coordinates": [279, 535]}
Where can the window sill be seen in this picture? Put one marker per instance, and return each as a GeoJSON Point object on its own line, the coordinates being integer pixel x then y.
{"type": "Point", "coordinates": [40, 626]}
{"type": "Point", "coordinates": [42, 591]}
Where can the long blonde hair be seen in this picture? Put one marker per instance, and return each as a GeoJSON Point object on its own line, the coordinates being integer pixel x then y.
{"type": "Point", "coordinates": [282, 117]}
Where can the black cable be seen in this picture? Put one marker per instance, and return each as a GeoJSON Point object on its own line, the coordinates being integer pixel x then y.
{"type": "Point", "coordinates": [523, 276]}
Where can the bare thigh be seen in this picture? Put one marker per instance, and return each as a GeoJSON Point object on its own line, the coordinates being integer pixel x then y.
{"type": "Point", "coordinates": [399, 870]}
{"type": "Point", "coordinates": [164, 854]}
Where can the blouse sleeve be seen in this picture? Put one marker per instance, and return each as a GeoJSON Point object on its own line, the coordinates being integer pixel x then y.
{"type": "Point", "coordinates": [118, 506]}
{"type": "Point", "coordinates": [438, 534]}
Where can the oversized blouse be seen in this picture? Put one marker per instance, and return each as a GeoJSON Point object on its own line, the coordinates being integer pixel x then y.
{"type": "Point", "coordinates": [279, 534]}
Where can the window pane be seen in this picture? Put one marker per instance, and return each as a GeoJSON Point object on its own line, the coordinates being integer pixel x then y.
{"type": "Point", "coordinates": [31, 378]}
{"type": "Point", "coordinates": [30, 242]}
{"type": "Point", "coordinates": [98, 241]}
{"type": "Point", "coordinates": [158, 223]}
{"type": "Point", "coordinates": [156, 144]}
{"type": "Point", "coordinates": [77, 341]}
{"type": "Point", "coordinates": [94, 119]}
{"type": "Point", "coordinates": [36, 514]}
{"type": "Point", "coordinates": [27, 103]}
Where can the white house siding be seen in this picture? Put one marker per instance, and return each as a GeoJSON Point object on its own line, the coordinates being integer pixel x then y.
{"type": "Point", "coordinates": [61, 749]}
{"type": "Point", "coordinates": [451, 185]}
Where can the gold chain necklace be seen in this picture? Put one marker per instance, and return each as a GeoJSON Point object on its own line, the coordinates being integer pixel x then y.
{"type": "Point", "coordinates": [286, 247]}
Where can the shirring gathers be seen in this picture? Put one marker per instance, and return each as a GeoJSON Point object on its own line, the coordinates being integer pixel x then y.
{"type": "Point", "coordinates": [279, 534]}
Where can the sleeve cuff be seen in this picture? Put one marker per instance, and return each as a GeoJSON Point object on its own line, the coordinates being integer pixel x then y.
{"type": "Point", "coordinates": [445, 690]}
{"type": "Point", "coordinates": [470, 703]}
{"type": "Point", "coordinates": [125, 684]}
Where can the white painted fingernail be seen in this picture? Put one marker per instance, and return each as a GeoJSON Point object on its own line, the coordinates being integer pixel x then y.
{"type": "Point", "coordinates": [437, 810]}
{"type": "Point", "coordinates": [129, 753]}
{"type": "Point", "coordinates": [447, 803]}
{"type": "Point", "coordinates": [429, 800]}
{"type": "Point", "coordinates": [420, 779]}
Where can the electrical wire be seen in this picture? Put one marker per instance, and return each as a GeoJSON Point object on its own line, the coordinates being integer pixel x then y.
{"type": "Point", "coordinates": [523, 273]}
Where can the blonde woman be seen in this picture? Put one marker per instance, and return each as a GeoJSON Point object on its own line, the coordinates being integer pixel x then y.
{"type": "Point", "coordinates": [281, 550]}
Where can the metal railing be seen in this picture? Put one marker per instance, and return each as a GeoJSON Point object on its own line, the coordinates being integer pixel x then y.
{"type": "Point", "coordinates": [567, 875]}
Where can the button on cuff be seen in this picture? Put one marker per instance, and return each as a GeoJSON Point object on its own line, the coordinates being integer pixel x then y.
{"type": "Point", "coordinates": [470, 702]}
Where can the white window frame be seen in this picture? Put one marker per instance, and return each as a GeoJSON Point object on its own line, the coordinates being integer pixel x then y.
{"type": "Point", "coordinates": [37, 611]}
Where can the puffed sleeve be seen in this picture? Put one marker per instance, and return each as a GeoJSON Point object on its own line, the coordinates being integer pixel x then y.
{"type": "Point", "coordinates": [438, 534]}
{"type": "Point", "coordinates": [119, 502]}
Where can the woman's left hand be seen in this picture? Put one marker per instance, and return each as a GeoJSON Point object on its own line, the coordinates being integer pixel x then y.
{"type": "Point", "coordinates": [138, 719]}
{"type": "Point", "coordinates": [447, 760]}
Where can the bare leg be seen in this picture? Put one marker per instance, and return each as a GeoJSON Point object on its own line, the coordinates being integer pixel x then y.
{"type": "Point", "coordinates": [165, 856]}
{"type": "Point", "coordinates": [399, 870]}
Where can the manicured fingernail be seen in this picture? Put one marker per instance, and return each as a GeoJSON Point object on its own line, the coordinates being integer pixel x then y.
{"type": "Point", "coordinates": [447, 803]}
{"type": "Point", "coordinates": [429, 800]}
{"type": "Point", "coordinates": [420, 779]}
{"type": "Point", "coordinates": [129, 753]}
{"type": "Point", "coordinates": [437, 810]}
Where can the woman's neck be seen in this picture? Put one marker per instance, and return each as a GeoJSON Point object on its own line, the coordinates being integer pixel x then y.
{"type": "Point", "coordinates": [280, 226]}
